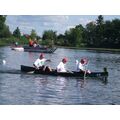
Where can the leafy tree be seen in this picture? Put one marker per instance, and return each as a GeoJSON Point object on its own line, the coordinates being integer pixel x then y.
{"type": "Point", "coordinates": [2, 21]}
{"type": "Point", "coordinates": [17, 33]}
{"type": "Point", "coordinates": [50, 36]}
{"type": "Point", "coordinates": [89, 34]}
{"type": "Point", "coordinates": [61, 40]}
{"type": "Point", "coordinates": [100, 20]}
{"type": "Point", "coordinates": [75, 36]}
{"type": "Point", "coordinates": [5, 32]}
{"type": "Point", "coordinates": [33, 34]}
{"type": "Point", "coordinates": [4, 29]}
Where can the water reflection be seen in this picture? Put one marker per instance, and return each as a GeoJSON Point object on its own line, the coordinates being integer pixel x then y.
{"type": "Point", "coordinates": [80, 83]}
{"type": "Point", "coordinates": [40, 89]}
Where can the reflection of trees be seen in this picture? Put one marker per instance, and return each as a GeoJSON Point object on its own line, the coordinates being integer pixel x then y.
{"type": "Point", "coordinates": [2, 55]}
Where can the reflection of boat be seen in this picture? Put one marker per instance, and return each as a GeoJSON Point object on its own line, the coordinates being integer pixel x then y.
{"type": "Point", "coordinates": [39, 49]}
{"type": "Point", "coordinates": [17, 48]}
{"type": "Point", "coordinates": [27, 69]}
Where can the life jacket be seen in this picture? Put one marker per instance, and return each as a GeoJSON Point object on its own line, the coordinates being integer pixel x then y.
{"type": "Point", "coordinates": [31, 42]}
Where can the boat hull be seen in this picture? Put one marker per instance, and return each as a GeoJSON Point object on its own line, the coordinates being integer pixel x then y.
{"type": "Point", "coordinates": [28, 69]}
{"type": "Point", "coordinates": [39, 49]}
{"type": "Point", "coordinates": [17, 48]}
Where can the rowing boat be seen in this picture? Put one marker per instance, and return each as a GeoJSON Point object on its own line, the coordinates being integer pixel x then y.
{"type": "Point", "coordinates": [34, 49]}
{"type": "Point", "coordinates": [18, 48]}
{"type": "Point", "coordinates": [28, 69]}
{"type": "Point", "coordinates": [39, 49]}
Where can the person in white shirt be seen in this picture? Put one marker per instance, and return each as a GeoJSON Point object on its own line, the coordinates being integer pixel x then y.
{"type": "Point", "coordinates": [81, 66]}
{"type": "Point", "coordinates": [39, 63]}
{"type": "Point", "coordinates": [61, 65]}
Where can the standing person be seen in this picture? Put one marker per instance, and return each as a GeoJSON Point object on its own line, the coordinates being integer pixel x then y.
{"type": "Point", "coordinates": [35, 44]}
{"type": "Point", "coordinates": [39, 63]}
{"type": "Point", "coordinates": [81, 66]}
{"type": "Point", "coordinates": [16, 44]}
{"type": "Point", "coordinates": [61, 65]}
{"type": "Point", "coordinates": [31, 43]}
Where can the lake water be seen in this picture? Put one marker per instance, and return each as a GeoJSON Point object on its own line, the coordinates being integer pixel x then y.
{"type": "Point", "coordinates": [21, 89]}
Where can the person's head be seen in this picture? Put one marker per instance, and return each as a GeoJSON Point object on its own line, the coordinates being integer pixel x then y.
{"type": "Point", "coordinates": [64, 60]}
{"type": "Point", "coordinates": [83, 61]}
{"type": "Point", "coordinates": [42, 56]}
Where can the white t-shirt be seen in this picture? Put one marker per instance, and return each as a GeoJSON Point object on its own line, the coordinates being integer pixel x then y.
{"type": "Point", "coordinates": [61, 67]}
{"type": "Point", "coordinates": [39, 62]}
{"type": "Point", "coordinates": [79, 66]}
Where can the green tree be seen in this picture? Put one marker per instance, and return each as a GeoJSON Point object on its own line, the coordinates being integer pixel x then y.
{"type": "Point", "coordinates": [16, 33]}
{"type": "Point", "coordinates": [100, 20]}
{"type": "Point", "coordinates": [61, 40]}
{"type": "Point", "coordinates": [116, 32]}
{"type": "Point", "coordinates": [50, 37]}
{"type": "Point", "coordinates": [6, 32]}
{"type": "Point", "coordinates": [4, 29]}
{"type": "Point", "coordinates": [33, 34]}
{"type": "Point", "coordinates": [98, 42]}
{"type": "Point", "coordinates": [2, 21]}
{"type": "Point", "coordinates": [74, 36]}
{"type": "Point", "coordinates": [89, 34]}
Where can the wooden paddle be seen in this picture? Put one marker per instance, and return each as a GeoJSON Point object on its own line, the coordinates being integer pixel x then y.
{"type": "Point", "coordinates": [86, 70]}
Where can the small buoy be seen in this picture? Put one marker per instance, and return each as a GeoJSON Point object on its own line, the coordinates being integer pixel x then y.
{"type": "Point", "coordinates": [4, 62]}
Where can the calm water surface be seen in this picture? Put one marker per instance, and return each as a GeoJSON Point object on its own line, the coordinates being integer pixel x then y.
{"type": "Point", "coordinates": [19, 89]}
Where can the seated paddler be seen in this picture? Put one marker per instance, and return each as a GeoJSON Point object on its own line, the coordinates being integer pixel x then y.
{"type": "Point", "coordinates": [81, 66]}
{"type": "Point", "coordinates": [62, 65]}
{"type": "Point", "coordinates": [40, 63]}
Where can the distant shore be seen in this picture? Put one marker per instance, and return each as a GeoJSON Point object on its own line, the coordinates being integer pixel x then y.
{"type": "Point", "coordinates": [8, 42]}
{"type": "Point", "coordinates": [87, 48]}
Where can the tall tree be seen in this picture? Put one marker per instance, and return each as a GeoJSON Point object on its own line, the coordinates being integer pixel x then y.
{"type": "Point", "coordinates": [75, 36]}
{"type": "Point", "coordinates": [2, 21]}
{"type": "Point", "coordinates": [50, 37]}
{"type": "Point", "coordinates": [99, 32]}
{"type": "Point", "coordinates": [100, 20]}
{"type": "Point", "coordinates": [33, 34]}
{"type": "Point", "coordinates": [4, 29]}
{"type": "Point", "coordinates": [17, 33]}
{"type": "Point", "coordinates": [89, 34]}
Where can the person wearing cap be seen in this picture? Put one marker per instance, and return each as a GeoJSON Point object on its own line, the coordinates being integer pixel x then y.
{"type": "Point", "coordinates": [39, 63]}
{"type": "Point", "coordinates": [31, 43]}
{"type": "Point", "coordinates": [61, 65]}
{"type": "Point", "coordinates": [81, 66]}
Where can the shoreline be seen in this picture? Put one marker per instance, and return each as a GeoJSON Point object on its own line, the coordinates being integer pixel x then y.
{"type": "Point", "coordinates": [87, 48]}
{"type": "Point", "coordinates": [82, 48]}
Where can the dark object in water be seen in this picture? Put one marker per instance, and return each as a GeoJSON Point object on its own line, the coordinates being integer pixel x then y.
{"type": "Point", "coordinates": [27, 69]}
{"type": "Point", "coordinates": [39, 49]}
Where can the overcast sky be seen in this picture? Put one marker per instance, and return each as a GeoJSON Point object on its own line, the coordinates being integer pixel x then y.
{"type": "Point", "coordinates": [59, 23]}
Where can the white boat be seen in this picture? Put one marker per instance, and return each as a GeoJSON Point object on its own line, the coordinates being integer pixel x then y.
{"type": "Point", "coordinates": [18, 48]}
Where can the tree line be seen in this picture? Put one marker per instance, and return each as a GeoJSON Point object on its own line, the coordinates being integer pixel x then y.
{"type": "Point", "coordinates": [97, 34]}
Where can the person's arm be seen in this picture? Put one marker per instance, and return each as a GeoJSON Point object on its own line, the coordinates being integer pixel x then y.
{"type": "Point", "coordinates": [35, 66]}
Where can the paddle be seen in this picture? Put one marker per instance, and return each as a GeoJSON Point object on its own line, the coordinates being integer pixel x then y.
{"type": "Point", "coordinates": [87, 62]}
{"type": "Point", "coordinates": [32, 71]}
